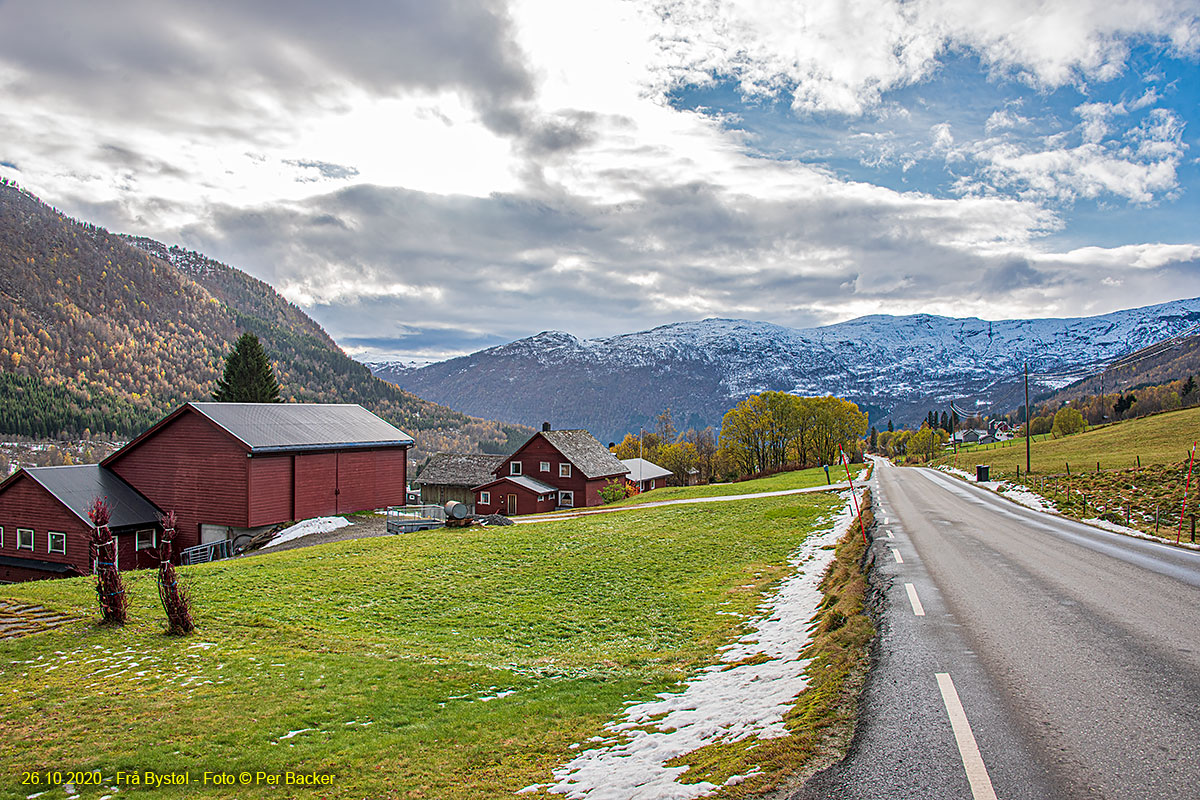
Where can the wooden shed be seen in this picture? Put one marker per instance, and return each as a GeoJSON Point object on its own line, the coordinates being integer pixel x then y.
{"type": "Point", "coordinates": [452, 476]}
{"type": "Point", "coordinates": [231, 468]}
{"type": "Point", "coordinates": [646, 475]}
{"type": "Point", "coordinates": [44, 527]}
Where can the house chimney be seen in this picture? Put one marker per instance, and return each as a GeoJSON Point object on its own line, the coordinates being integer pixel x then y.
{"type": "Point", "coordinates": [545, 426]}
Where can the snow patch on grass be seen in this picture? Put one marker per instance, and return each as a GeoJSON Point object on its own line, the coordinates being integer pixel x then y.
{"type": "Point", "coordinates": [726, 702]}
{"type": "Point", "coordinates": [307, 528]}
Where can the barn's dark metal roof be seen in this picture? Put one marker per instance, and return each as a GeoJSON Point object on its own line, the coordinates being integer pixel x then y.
{"type": "Point", "coordinates": [268, 427]}
{"type": "Point", "coordinates": [458, 469]}
{"type": "Point", "coordinates": [77, 486]}
{"type": "Point", "coordinates": [586, 453]}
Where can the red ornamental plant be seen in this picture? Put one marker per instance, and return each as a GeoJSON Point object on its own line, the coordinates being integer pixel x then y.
{"type": "Point", "coordinates": [110, 589]}
{"type": "Point", "coordinates": [174, 597]}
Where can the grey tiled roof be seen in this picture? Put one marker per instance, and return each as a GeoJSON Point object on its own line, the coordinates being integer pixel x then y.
{"type": "Point", "coordinates": [533, 484]}
{"type": "Point", "coordinates": [265, 427]}
{"type": "Point", "coordinates": [459, 469]}
{"type": "Point", "coordinates": [642, 470]}
{"type": "Point", "coordinates": [586, 453]}
{"type": "Point", "coordinates": [77, 486]}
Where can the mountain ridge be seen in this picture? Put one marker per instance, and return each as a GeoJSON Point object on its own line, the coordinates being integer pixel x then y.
{"type": "Point", "coordinates": [896, 367]}
{"type": "Point", "coordinates": [102, 334]}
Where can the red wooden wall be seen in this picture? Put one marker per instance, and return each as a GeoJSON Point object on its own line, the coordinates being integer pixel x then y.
{"type": "Point", "coordinates": [25, 504]}
{"type": "Point", "coordinates": [270, 496]}
{"type": "Point", "coordinates": [191, 467]}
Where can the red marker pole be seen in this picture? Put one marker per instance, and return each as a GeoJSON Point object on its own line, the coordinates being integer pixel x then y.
{"type": "Point", "coordinates": [854, 497]}
{"type": "Point", "coordinates": [1186, 487]}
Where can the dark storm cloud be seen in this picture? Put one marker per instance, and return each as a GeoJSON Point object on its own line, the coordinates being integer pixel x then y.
{"type": "Point", "coordinates": [206, 61]}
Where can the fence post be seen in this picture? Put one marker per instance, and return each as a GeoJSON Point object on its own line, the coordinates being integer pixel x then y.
{"type": "Point", "coordinates": [1193, 528]}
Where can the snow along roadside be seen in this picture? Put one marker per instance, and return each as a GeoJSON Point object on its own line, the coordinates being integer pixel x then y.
{"type": "Point", "coordinates": [722, 703]}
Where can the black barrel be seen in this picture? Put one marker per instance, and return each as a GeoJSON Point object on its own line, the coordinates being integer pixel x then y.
{"type": "Point", "coordinates": [983, 472]}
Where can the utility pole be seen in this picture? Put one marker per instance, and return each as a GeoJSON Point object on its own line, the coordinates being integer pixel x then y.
{"type": "Point", "coordinates": [1027, 431]}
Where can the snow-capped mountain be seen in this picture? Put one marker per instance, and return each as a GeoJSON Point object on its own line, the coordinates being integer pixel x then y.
{"type": "Point", "coordinates": [895, 367]}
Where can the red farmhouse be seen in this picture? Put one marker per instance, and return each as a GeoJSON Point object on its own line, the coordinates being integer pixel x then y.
{"type": "Point", "coordinates": [225, 469]}
{"type": "Point", "coordinates": [554, 469]}
{"type": "Point", "coordinates": [45, 530]}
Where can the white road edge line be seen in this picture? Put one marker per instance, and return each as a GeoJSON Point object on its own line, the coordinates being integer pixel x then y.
{"type": "Point", "coordinates": [918, 609]}
{"type": "Point", "coordinates": [977, 775]}
{"type": "Point", "coordinates": [896, 555]}
{"type": "Point", "coordinates": [891, 535]}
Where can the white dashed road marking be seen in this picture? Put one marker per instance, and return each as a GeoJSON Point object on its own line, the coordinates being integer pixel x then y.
{"type": "Point", "coordinates": [918, 609]}
{"type": "Point", "coordinates": [896, 555]}
{"type": "Point", "coordinates": [977, 775]}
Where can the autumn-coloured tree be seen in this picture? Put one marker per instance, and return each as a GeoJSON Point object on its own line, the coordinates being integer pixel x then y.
{"type": "Point", "coordinates": [174, 597]}
{"type": "Point", "coordinates": [110, 589]}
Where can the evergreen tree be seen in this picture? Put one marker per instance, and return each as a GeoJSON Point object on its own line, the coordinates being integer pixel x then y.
{"type": "Point", "coordinates": [1189, 387]}
{"type": "Point", "coordinates": [248, 375]}
{"type": "Point", "coordinates": [891, 428]}
{"type": "Point", "coordinates": [945, 424]}
{"type": "Point", "coordinates": [874, 439]}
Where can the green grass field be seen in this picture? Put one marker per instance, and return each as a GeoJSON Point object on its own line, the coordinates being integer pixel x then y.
{"type": "Point", "coordinates": [442, 664]}
{"type": "Point", "coordinates": [801, 479]}
{"type": "Point", "coordinates": [1160, 439]}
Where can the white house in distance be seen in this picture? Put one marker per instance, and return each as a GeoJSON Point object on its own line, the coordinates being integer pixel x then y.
{"type": "Point", "coordinates": [645, 475]}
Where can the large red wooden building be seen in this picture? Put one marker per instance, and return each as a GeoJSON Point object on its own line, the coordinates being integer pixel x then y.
{"type": "Point", "coordinates": [553, 469]}
{"type": "Point", "coordinates": [225, 469]}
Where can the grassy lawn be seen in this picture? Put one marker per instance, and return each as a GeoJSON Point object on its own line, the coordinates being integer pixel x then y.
{"type": "Point", "coordinates": [801, 479]}
{"type": "Point", "coordinates": [1160, 439]}
{"type": "Point", "coordinates": [441, 664]}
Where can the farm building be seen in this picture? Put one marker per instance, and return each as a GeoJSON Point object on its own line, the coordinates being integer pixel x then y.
{"type": "Point", "coordinates": [515, 494]}
{"type": "Point", "coordinates": [572, 463]}
{"type": "Point", "coordinates": [228, 469]}
{"type": "Point", "coordinates": [453, 476]}
{"type": "Point", "coordinates": [44, 527]}
{"type": "Point", "coordinates": [225, 469]}
{"type": "Point", "coordinates": [645, 475]}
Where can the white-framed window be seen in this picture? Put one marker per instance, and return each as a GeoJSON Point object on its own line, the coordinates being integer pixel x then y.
{"type": "Point", "coordinates": [56, 542]}
{"type": "Point", "coordinates": [651, 483]}
{"type": "Point", "coordinates": [24, 538]}
{"type": "Point", "coordinates": [545, 466]}
{"type": "Point", "coordinates": [566, 499]}
{"type": "Point", "coordinates": [144, 540]}
{"type": "Point", "coordinates": [564, 470]}
{"type": "Point", "coordinates": [485, 498]}
{"type": "Point", "coordinates": [1, 536]}
{"type": "Point", "coordinates": [514, 468]}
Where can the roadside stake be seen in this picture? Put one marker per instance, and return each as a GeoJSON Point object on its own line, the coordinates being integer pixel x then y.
{"type": "Point", "coordinates": [914, 601]}
{"type": "Point", "coordinates": [1187, 487]}
{"type": "Point", "coordinates": [853, 496]}
{"type": "Point", "coordinates": [968, 750]}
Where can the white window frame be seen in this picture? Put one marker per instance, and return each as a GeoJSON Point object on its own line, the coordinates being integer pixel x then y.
{"type": "Point", "coordinates": [485, 498]}
{"type": "Point", "coordinates": [32, 538]}
{"type": "Point", "coordinates": [50, 542]}
{"type": "Point", "coordinates": [1, 536]}
{"type": "Point", "coordinates": [137, 540]}
{"type": "Point", "coordinates": [545, 466]}
{"type": "Point", "coordinates": [652, 483]}
{"type": "Point", "coordinates": [514, 468]}
{"type": "Point", "coordinates": [565, 495]}
{"type": "Point", "coordinates": [564, 469]}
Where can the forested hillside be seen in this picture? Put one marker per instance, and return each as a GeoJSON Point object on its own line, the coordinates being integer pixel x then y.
{"type": "Point", "coordinates": [101, 337]}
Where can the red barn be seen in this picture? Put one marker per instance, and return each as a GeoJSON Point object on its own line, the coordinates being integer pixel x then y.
{"type": "Point", "coordinates": [227, 469]}
{"type": "Point", "coordinates": [571, 463]}
{"type": "Point", "coordinates": [44, 527]}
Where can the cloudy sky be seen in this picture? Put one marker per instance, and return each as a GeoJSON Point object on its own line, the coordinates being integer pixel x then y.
{"type": "Point", "coordinates": [426, 178]}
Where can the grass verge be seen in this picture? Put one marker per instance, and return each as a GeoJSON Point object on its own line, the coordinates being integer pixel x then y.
{"type": "Point", "coordinates": [450, 664]}
{"type": "Point", "coordinates": [822, 722]}
{"type": "Point", "coordinates": [800, 479]}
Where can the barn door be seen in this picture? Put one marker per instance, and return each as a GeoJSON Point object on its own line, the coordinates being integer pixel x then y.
{"type": "Point", "coordinates": [316, 485]}
{"type": "Point", "coordinates": [512, 505]}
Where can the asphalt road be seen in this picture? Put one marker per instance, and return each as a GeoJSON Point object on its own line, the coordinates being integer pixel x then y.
{"type": "Point", "coordinates": [1074, 655]}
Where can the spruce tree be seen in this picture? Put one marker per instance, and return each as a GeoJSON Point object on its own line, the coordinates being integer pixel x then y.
{"type": "Point", "coordinates": [248, 375]}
